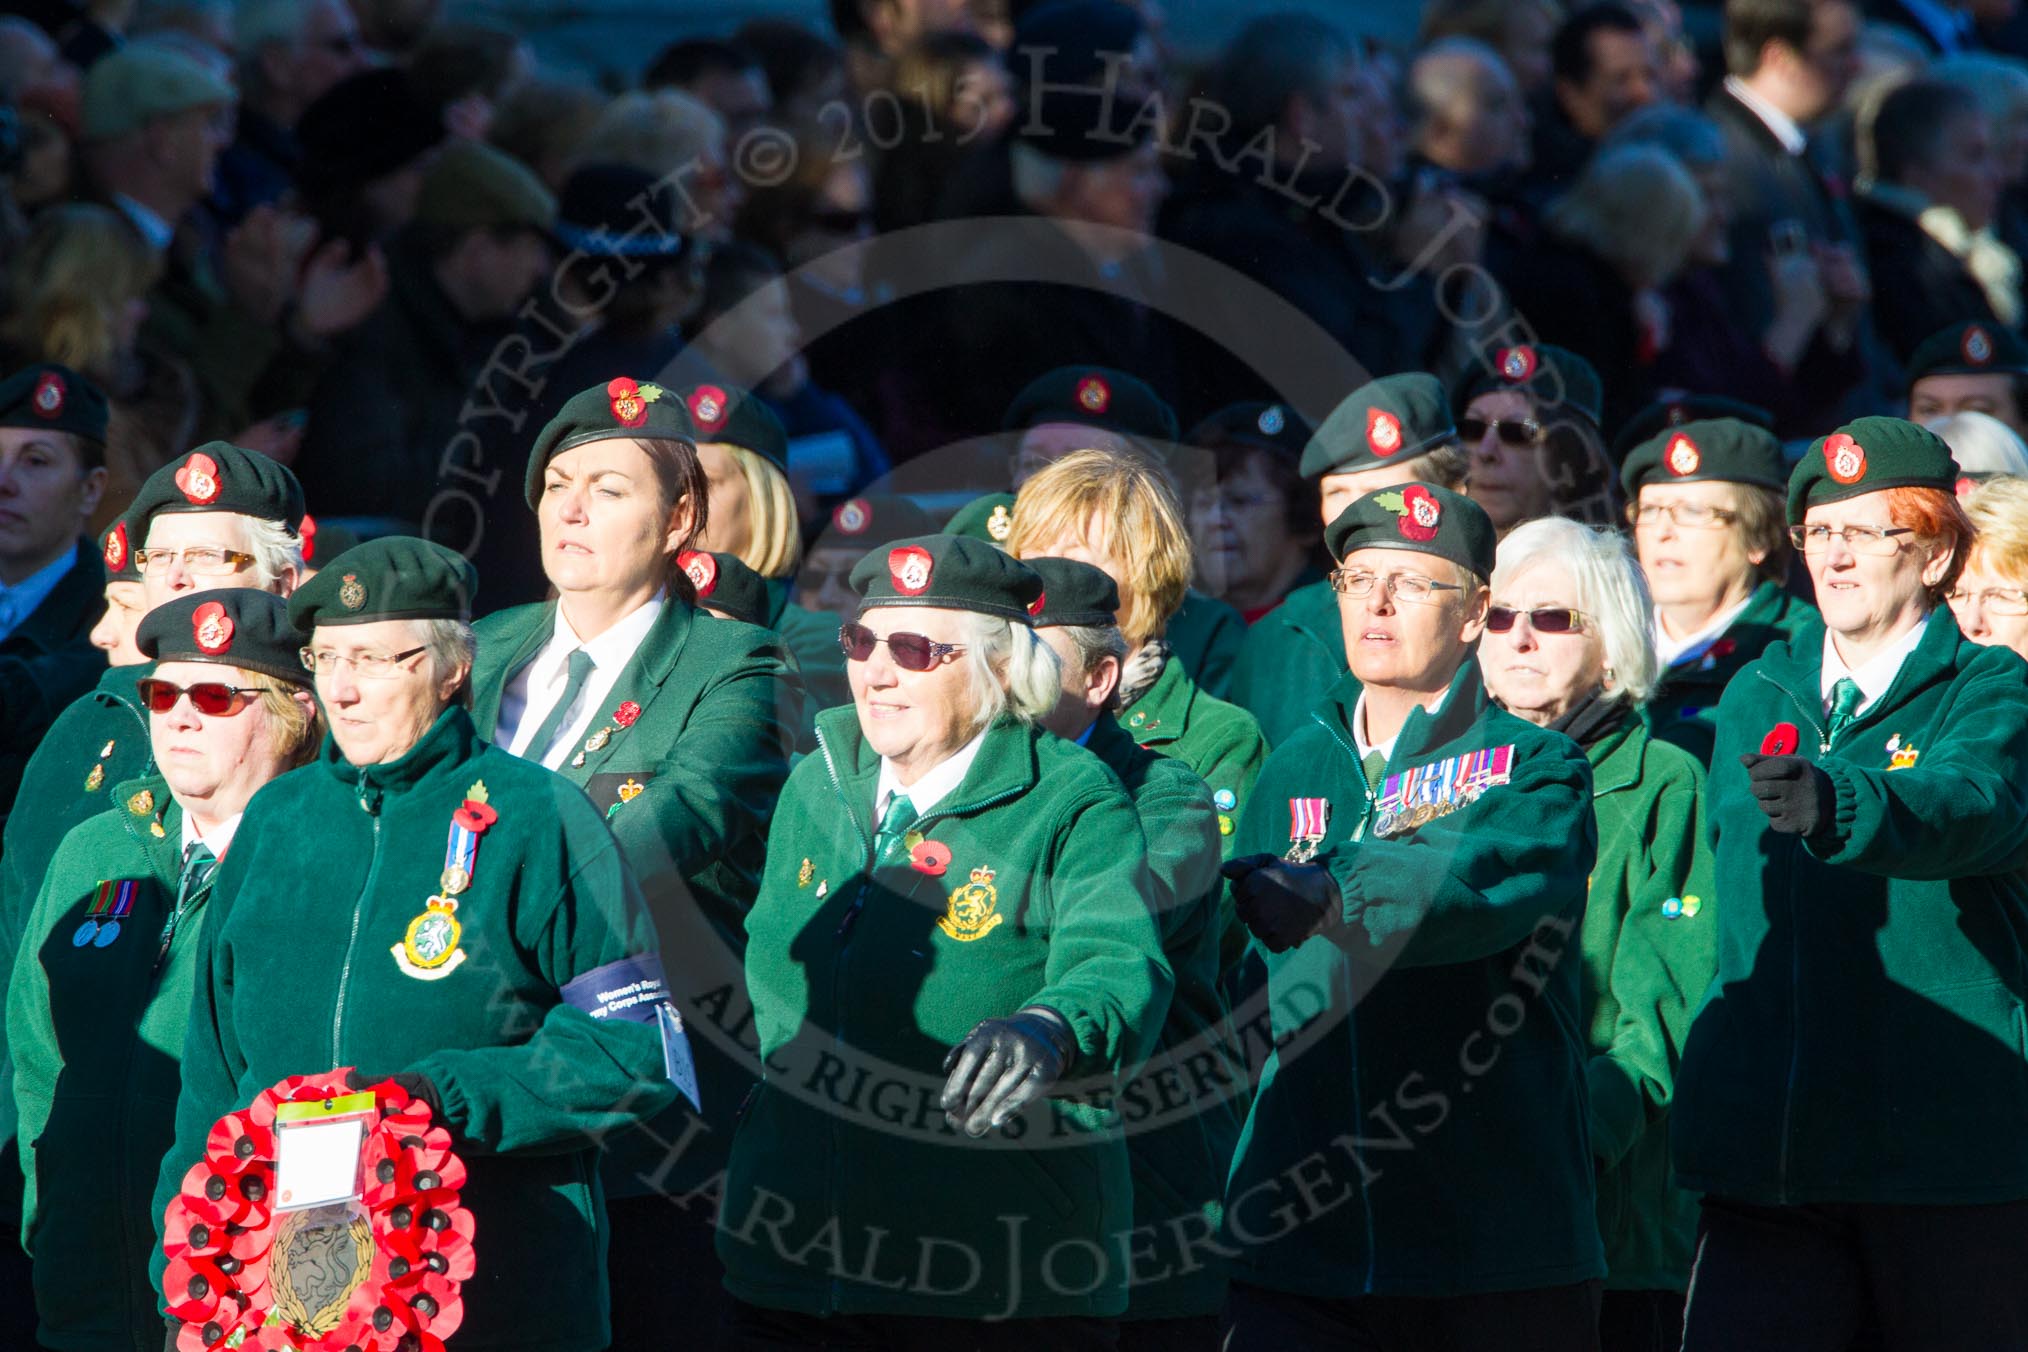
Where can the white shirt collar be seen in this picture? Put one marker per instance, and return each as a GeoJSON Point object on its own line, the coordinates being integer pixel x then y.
{"type": "Point", "coordinates": [1386, 748]}
{"type": "Point", "coordinates": [935, 783]}
{"type": "Point", "coordinates": [1676, 651]}
{"type": "Point", "coordinates": [158, 233]}
{"type": "Point", "coordinates": [614, 646]}
{"type": "Point", "coordinates": [533, 691]}
{"type": "Point", "coordinates": [220, 839]}
{"type": "Point", "coordinates": [1780, 123]}
{"type": "Point", "coordinates": [1876, 673]}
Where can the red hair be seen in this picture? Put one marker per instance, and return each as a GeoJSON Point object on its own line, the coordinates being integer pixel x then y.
{"type": "Point", "coordinates": [1939, 522]}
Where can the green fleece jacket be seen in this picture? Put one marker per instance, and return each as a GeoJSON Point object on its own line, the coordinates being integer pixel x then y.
{"type": "Point", "coordinates": [848, 1192]}
{"type": "Point", "coordinates": [1218, 741]}
{"type": "Point", "coordinates": [1684, 707]}
{"type": "Point", "coordinates": [1864, 1039]}
{"type": "Point", "coordinates": [1182, 1111]}
{"type": "Point", "coordinates": [95, 1020]}
{"type": "Point", "coordinates": [1205, 634]}
{"type": "Point", "coordinates": [1420, 1128]}
{"type": "Point", "coordinates": [306, 965]}
{"type": "Point", "coordinates": [1291, 658]}
{"type": "Point", "coordinates": [687, 789]}
{"type": "Point", "coordinates": [1650, 948]}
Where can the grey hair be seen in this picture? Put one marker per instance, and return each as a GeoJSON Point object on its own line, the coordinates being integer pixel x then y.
{"type": "Point", "coordinates": [1012, 670]}
{"type": "Point", "coordinates": [1095, 643]}
{"type": "Point", "coordinates": [1611, 591]}
{"type": "Point", "coordinates": [450, 644]}
{"type": "Point", "coordinates": [1685, 133]}
{"type": "Point", "coordinates": [275, 549]}
{"type": "Point", "coordinates": [1981, 443]}
{"type": "Point", "coordinates": [1635, 206]}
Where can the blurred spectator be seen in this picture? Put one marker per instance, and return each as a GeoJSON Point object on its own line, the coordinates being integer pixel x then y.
{"type": "Point", "coordinates": [367, 146]}
{"type": "Point", "coordinates": [804, 72]}
{"type": "Point", "coordinates": [1929, 193]}
{"type": "Point", "coordinates": [1467, 114]}
{"type": "Point", "coordinates": [465, 70]}
{"type": "Point", "coordinates": [1531, 427]}
{"type": "Point", "coordinates": [1676, 65]}
{"type": "Point", "coordinates": [1942, 28]}
{"type": "Point", "coordinates": [876, 31]}
{"type": "Point", "coordinates": [1790, 63]}
{"type": "Point", "coordinates": [1519, 30]}
{"type": "Point", "coordinates": [724, 76]}
{"type": "Point", "coordinates": [209, 23]}
{"type": "Point", "coordinates": [395, 27]}
{"type": "Point", "coordinates": [1784, 368]}
{"type": "Point", "coordinates": [667, 134]}
{"type": "Point", "coordinates": [47, 170]}
{"type": "Point", "coordinates": [2002, 25]}
{"type": "Point", "coordinates": [389, 403]}
{"type": "Point", "coordinates": [543, 123]}
{"type": "Point", "coordinates": [1982, 445]}
{"type": "Point", "coordinates": [747, 330]}
{"type": "Point", "coordinates": [2001, 84]}
{"type": "Point", "coordinates": [34, 75]}
{"type": "Point", "coordinates": [1592, 282]}
{"type": "Point", "coordinates": [1604, 69]}
{"type": "Point", "coordinates": [956, 99]}
{"type": "Point", "coordinates": [1254, 528]}
{"type": "Point", "coordinates": [76, 296]}
{"type": "Point", "coordinates": [291, 53]}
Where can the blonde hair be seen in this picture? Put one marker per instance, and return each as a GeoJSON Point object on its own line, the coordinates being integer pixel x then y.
{"type": "Point", "coordinates": [1611, 591]}
{"type": "Point", "coordinates": [1140, 526]}
{"type": "Point", "coordinates": [1999, 512]}
{"type": "Point", "coordinates": [774, 547]}
{"type": "Point", "coordinates": [1012, 671]}
{"type": "Point", "coordinates": [657, 133]}
{"type": "Point", "coordinates": [70, 281]}
{"type": "Point", "coordinates": [298, 726]}
{"type": "Point", "coordinates": [1635, 206]}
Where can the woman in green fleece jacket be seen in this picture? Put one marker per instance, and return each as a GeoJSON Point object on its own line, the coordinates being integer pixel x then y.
{"type": "Point", "coordinates": [1853, 1100]}
{"type": "Point", "coordinates": [952, 925]}
{"type": "Point", "coordinates": [423, 907]}
{"type": "Point", "coordinates": [101, 989]}
{"type": "Point", "coordinates": [1569, 647]}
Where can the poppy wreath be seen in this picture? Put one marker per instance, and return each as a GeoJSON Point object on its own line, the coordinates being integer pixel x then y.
{"type": "Point", "coordinates": [229, 1284]}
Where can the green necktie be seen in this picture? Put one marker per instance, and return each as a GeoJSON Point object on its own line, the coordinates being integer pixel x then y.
{"type": "Point", "coordinates": [198, 863]}
{"type": "Point", "coordinates": [894, 824]}
{"type": "Point", "coordinates": [1375, 766]}
{"type": "Point", "coordinates": [1846, 698]}
{"type": "Point", "coordinates": [577, 671]}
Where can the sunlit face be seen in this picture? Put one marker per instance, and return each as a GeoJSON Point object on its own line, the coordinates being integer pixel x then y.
{"type": "Point", "coordinates": [1973, 603]}
{"type": "Point", "coordinates": [1938, 396]}
{"type": "Point", "coordinates": [1407, 645]}
{"type": "Point", "coordinates": [1085, 547]}
{"type": "Point", "coordinates": [1046, 443]}
{"type": "Point", "coordinates": [1540, 676]}
{"type": "Point", "coordinates": [214, 762]}
{"type": "Point", "coordinates": [377, 719]}
{"type": "Point", "coordinates": [1694, 565]}
{"type": "Point", "coordinates": [46, 494]}
{"type": "Point", "coordinates": [1506, 480]}
{"type": "Point", "coordinates": [728, 520]}
{"type": "Point", "coordinates": [174, 532]}
{"type": "Point", "coordinates": [1861, 597]}
{"type": "Point", "coordinates": [915, 718]}
{"type": "Point", "coordinates": [126, 603]}
{"type": "Point", "coordinates": [605, 526]}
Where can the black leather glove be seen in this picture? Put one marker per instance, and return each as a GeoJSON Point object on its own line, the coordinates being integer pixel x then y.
{"type": "Point", "coordinates": [417, 1086]}
{"type": "Point", "coordinates": [1797, 796]}
{"type": "Point", "coordinates": [1283, 904]}
{"type": "Point", "coordinates": [1002, 1066]}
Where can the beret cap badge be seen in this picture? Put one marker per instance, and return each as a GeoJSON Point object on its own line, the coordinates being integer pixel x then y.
{"type": "Point", "coordinates": [1977, 347]}
{"type": "Point", "coordinates": [1093, 394]}
{"type": "Point", "coordinates": [1844, 458]}
{"type": "Point", "coordinates": [1383, 431]}
{"type": "Point", "coordinates": [708, 407]}
{"type": "Point", "coordinates": [199, 479]}
{"type": "Point", "coordinates": [116, 547]}
{"type": "Point", "coordinates": [351, 593]}
{"type": "Point", "coordinates": [211, 627]}
{"type": "Point", "coordinates": [50, 393]}
{"type": "Point", "coordinates": [1684, 457]}
{"type": "Point", "coordinates": [1517, 363]}
{"type": "Point", "coordinates": [1419, 514]}
{"type": "Point", "coordinates": [630, 401]}
{"type": "Point", "coordinates": [910, 567]}
{"type": "Point", "coordinates": [701, 569]}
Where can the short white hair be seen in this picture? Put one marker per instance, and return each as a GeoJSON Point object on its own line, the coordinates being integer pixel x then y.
{"type": "Point", "coordinates": [275, 548]}
{"type": "Point", "coordinates": [1981, 443]}
{"type": "Point", "coordinates": [1012, 670]}
{"type": "Point", "coordinates": [449, 644]}
{"type": "Point", "coordinates": [1611, 591]}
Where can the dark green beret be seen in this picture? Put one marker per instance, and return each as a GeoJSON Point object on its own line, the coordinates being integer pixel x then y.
{"type": "Point", "coordinates": [324, 542]}
{"type": "Point", "coordinates": [948, 572]}
{"type": "Point", "coordinates": [116, 551]}
{"type": "Point", "coordinates": [1969, 350]}
{"type": "Point", "coordinates": [990, 518]}
{"type": "Point", "coordinates": [1273, 425]}
{"type": "Point", "coordinates": [737, 417]}
{"type": "Point", "coordinates": [1075, 594]}
{"type": "Point", "coordinates": [1685, 408]}
{"type": "Point", "coordinates": [1712, 450]}
{"type": "Point", "coordinates": [236, 626]}
{"type": "Point", "coordinates": [1865, 456]}
{"type": "Point", "coordinates": [219, 477]}
{"type": "Point", "coordinates": [724, 583]}
{"type": "Point", "coordinates": [1095, 396]}
{"type": "Point", "coordinates": [1391, 420]}
{"type": "Point", "coordinates": [622, 407]}
{"type": "Point", "coordinates": [875, 518]}
{"type": "Point", "coordinates": [55, 398]}
{"type": "Point", "coordinates": [396, 577]}
{"type": "Point", "coordinates": [1422, 517]}
{"type": "Point", "coordinates": [1554, 377]}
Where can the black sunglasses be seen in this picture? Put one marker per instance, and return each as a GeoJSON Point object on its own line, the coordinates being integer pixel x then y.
{"type": "Point", "coordinates": [213, 699]}
{"type": "Point", "coordinates": [1548, 620]}
{"type": "Point", "coordinates": [911, 652]}
{"type": "Point", "coordinates": [1520, 433]}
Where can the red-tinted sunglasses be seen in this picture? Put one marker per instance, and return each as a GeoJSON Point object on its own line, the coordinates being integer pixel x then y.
{"type": "Point", "coordinates": [213, 699]}
{"type": "Point", "coordinates": [911, 652]}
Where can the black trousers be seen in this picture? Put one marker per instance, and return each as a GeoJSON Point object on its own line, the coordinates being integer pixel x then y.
{"type": "Point", "coordinates": [1547, 1319]}
{"type": "Point", "coordinates": [754, 1329]}
{"type": "Point", "coordinates": [668, 1287]}
{"type": "Point", "coordinates": [1837, 1277]}
{"type": "Point", "coordinates": [1640, 1321]}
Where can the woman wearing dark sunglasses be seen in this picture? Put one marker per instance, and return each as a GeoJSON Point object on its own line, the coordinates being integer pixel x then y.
{"type": "Point", "coordinates": [1567, 647]}
{"type": "Point", "coordinates": [955, 917]}
{"type": "Point", "coordinates": [101, 992]}
{"type": "Point", "coordinates": [674, 725]}
{"type": "Point", "coordinates": [1530, 423]}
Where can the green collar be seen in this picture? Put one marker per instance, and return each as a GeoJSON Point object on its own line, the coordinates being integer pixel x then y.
{"type": "Point", "coordinates": [165, 852]}
{"type": "Point", "coordinates": [449, 741]}
{"type": "Point", "coordinates": [1163, 713]}
{"type": "Point", "coordinates": [1110, 742]}
{"type": "Point", "coordinates": [1005, 766]}
{"type": "Point", "coordinates": [117, 683]}
{"type": "Point", "coordinates": [1617, 758]}
{"type": "Point", "coordinates": [1465, 704]}
{"type": "Point", "coordinates": [1797, 666]}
